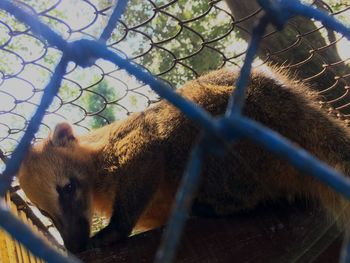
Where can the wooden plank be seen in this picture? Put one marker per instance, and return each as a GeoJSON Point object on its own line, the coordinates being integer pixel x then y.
{"type": "Point", "coordinates": [10, 245]}
{"type": "Point", "coordinates": [288, 234]}
{"type": "Point", "coordinates": [4, 256]}
{"type": "Point", "coordinates": [35, 230]}
{"type": "Point", "coordinates": [29, 256]}
{"type": "Point", "coordinates": [21, 255]}
{"type": "Point", "coordinates": [11, 250]}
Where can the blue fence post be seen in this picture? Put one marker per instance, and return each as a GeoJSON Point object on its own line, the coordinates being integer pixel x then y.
{"type": "Point", "coordinates": [183, 201]}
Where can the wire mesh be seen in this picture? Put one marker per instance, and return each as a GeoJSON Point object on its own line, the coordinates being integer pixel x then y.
{"type": "Point", "coordinates": [25, 55]}
{"type": "Point", "coordinates": [168, 42]}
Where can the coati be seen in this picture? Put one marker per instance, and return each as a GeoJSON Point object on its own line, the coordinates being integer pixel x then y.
{"type": "Point", "coordinates": [130, 169]}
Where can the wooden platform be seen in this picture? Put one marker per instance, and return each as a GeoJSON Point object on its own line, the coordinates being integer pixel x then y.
{"type": "Point", "coordinates": [286, 234]}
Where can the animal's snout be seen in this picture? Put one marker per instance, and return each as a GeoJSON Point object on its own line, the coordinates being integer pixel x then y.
{"type": "Point", "coordinates": [76, 235]}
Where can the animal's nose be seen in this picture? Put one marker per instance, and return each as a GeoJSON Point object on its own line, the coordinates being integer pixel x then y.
{"type": "Point", "coordinates": [76, 235]}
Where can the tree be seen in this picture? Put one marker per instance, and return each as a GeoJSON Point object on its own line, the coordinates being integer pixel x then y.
{"type": "Point", "coordinates": [97, 104]}
{"type": "Point", "coordinates": [302, 47]}
{"type": "Point", "coordinates": [181, 47]}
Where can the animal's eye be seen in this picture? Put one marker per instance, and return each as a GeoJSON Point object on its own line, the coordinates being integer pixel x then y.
{"type": "Point", "coordinates": [68, 189]}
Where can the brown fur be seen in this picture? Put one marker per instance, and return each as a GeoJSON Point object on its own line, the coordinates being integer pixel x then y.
{"type": "Point", "coordinates": [130, 169]}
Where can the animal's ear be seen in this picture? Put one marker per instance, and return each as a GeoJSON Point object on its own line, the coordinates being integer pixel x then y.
{"type": "Point", "coordinates": [63, 135]}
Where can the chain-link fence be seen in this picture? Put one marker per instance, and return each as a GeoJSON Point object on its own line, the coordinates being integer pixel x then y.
{"type": "Point", "coordinates": [206, 36]}
{"type": "Point", "coordinates": [174, 40]}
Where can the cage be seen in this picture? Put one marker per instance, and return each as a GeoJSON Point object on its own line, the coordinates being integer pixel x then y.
{"type": "Point", "coordinates": [175, 41]}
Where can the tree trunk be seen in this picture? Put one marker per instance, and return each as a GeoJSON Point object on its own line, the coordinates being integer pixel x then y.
{"type": "Point", "coordinates": [302, 48]}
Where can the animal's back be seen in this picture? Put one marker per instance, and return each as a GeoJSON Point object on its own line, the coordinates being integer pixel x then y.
{"type": "Point", "coordinates": [248, 175]}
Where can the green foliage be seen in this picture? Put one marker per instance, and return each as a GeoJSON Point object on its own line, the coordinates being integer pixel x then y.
{"type": "Point", "coordinates": [95, 103]}
{"type": "Point", "coordinates": [338, 5]}
{"type": "Point", "coordinates": [180, 48]}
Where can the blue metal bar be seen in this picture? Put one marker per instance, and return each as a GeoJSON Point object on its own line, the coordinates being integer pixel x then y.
{"type": "Point", "coordinates": [190, 109]}
{"type": "Point", "coordinates": [172, 234]}
{"type": "Point", "coordinates": [118, 11]}
{"type": "Point", "coordinates": [283, 148]}
{"type": "Point", "coordinates": [25, 235]}
{"type": "Point", "coordinates": [36, 26]}
{"type": "Point", "coordinates": [237, 99]}
{"type": "Point", "coordinates": [17, 156]}
{"type": "Point", "coordinates": [207, 123]}
{"type": "Point", "coordinates": [273, 10]}
{"type": "Point", "coordinates": [14, 227]}
{"type": "Point", "coordinates": [297, 8]}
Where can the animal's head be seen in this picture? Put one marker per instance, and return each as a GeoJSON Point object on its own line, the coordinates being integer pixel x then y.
{"type": "Point", "coordinates": [55, 176]}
